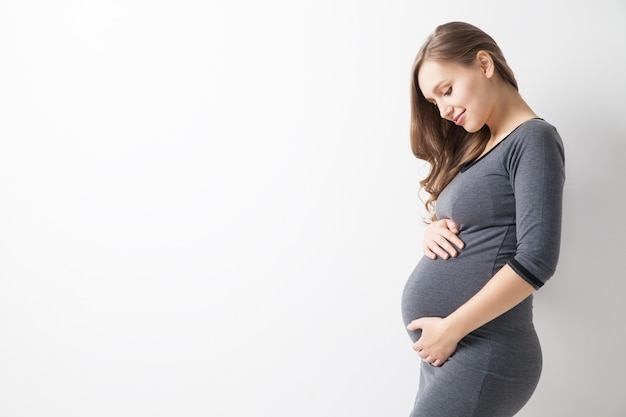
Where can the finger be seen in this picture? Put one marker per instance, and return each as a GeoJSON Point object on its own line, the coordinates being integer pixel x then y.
{"type": "Point", "coordinates": [445, 247]}
{"type": "Point", "coordinates": [451, 225]}
{"type": "Point", "coordinates": [441, 252]}
{"type": "Point", "coordinates": [429, 253]}
{"type": "Point", "coordinates": [414, 325]}
{"type": "Point", "coordinates": [453, 239]}
{"type": "Point", "coordinates": [437, 246]}
{"type": "Point", "coordinates": [450, 231]}
{"type": "Point", "coordinates": [441, 244]}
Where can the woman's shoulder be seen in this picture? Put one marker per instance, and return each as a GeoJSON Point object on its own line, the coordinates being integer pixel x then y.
{"type": "Point", "coordinates": [537, 127]}
{"type": "Point", "coordinates": [535, 132]}
{"type": "Point", "coordinates": [536, 137]}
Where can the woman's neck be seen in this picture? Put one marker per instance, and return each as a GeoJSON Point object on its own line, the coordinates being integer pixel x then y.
{"type": "Point", "coordinates": [509, 111]}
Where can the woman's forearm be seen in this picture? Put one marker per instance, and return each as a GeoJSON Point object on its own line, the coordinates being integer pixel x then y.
{"type": "Point", "coordinates": [503, 291]}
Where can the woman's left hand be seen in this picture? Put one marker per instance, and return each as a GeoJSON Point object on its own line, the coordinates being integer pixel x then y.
{"type": "Point", "coordinates": [437, 342]}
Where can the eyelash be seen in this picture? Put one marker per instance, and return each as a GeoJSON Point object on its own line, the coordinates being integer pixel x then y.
{"type": "Point", "coordinates": [447, 93]}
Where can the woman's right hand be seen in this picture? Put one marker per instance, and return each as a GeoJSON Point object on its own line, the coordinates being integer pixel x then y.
{"type": "Point", "coordinates": [441, 240]}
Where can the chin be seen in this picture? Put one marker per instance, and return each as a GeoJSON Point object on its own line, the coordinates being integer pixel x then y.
{"type": "Point", "coordinates": [469, 128]}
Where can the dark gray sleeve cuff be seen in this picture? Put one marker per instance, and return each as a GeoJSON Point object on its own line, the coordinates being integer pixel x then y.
{"type": "Point", "coordinates": [525, 274]}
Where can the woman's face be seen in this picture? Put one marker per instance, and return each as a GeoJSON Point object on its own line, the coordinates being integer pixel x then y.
{"type": "Point", "coordinates": [461, 93]}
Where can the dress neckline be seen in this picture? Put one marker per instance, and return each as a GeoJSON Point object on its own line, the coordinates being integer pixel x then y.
{"type": "Point", "coordinates": [473, 162]}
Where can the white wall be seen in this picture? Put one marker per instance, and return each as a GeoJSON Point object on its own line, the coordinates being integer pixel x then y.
{"type": "Point", "coordinates": [210, 208]}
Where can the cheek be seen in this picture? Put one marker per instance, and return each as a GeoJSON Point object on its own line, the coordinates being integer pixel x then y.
{"type": "Point", "coordinates": [477, 96]}
{"type": "Point", "coordinates": [476, 102]}
{"type": "Point", "coordinates": [464, 96]}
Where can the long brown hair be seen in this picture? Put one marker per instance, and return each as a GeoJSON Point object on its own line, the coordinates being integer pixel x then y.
{"type": "Point", "coordinates": [441, 143]}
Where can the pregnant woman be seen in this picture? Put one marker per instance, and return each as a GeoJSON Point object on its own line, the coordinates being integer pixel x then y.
{"type": "Point", "coordinates": [495, 190]}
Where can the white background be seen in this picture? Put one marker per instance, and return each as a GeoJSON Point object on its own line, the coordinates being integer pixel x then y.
{"type": "Point", "coordinates": [209, 208]}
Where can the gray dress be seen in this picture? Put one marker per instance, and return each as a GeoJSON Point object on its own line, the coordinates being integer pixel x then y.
{"type": "Point", "coordinates": [508, 208]}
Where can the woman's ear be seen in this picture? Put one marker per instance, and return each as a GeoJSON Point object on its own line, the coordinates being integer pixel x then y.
{"type": "Point", "coordinates": [485, 63]}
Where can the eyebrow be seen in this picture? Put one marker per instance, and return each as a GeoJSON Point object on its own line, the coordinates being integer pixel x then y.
{"type": "Point", "coordinates": [438, 85]}
{"type": "Point", "coordinates": [435, 88]}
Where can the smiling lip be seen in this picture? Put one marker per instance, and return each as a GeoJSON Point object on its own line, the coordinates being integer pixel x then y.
{"type": "Point", "coordinates": [457, 120]}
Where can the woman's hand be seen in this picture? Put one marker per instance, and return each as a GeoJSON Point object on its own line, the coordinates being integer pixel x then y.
{"type": "Point", "coordinates": [441, 238]}
{"type": "Point", "coordinates": [437, 342]}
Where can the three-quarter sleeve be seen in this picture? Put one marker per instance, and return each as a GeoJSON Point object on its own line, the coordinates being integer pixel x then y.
{"type": "Point", "coordinates": [537, 171]}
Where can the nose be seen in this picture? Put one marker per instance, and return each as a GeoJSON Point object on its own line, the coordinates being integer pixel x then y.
{"type": "Point", "coordinates": [445, 110]}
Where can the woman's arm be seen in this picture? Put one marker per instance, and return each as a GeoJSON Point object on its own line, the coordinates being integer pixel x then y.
{"type": "Point", "coordinates": [440, 336]}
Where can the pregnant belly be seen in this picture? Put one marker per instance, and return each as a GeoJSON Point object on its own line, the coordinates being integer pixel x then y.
{"type": "Point", "coordinates": [438, 287]}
